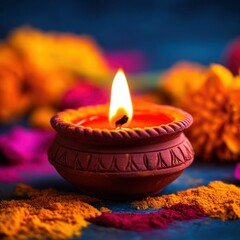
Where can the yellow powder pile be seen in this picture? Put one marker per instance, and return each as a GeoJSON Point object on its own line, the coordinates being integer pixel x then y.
{"type": "Point", "coordinates": [44, 214]}
{"type": "Point", "coordinates": [218, 200]}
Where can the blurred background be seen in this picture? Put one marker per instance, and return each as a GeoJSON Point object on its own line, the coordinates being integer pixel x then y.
{"type": "Point", "coordinates": [164, 31]}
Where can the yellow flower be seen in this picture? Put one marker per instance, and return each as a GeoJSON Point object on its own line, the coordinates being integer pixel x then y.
{"type": "Point", "coordinates": [37, 68]}
{"type": "Point", "coordinates": [53, 62]}
{"type": "Point", "coordinates": [215, 107]}
{"type": "Point", "coordinates": [48, 51]}
{"type": "Point", "coordinates": [182, 78]}
{"type": "Point", "coordinates": [14, 95]}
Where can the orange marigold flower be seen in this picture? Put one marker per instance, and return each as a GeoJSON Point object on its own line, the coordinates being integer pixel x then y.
{"type": "Point", "coordinates": [53, 62]}
{"type": "Point", "coordinates": [37, 68]}
{"type": "Point", "coordinates": [50, 50]}
{"type": "Point", "coordinates": [215, 107]}
{"type": "Point", "coordinates": [14, 97]}
{"type": "Point", "coordinates": [182, 78]}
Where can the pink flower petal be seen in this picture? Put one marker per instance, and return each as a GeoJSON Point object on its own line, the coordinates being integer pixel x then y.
{"type": "Point", "coordinates": [83, 94]}
{"type": "Point", "coordinates": [26, 153]}
{"type": "Point", "coordinates": [232, 55]}
{"type": "Point", "coordinates": [131, 61]}
{"type": "Point", "coordinates": [21, 145]}
{"type": "Point", "coordinates": [237, 171]}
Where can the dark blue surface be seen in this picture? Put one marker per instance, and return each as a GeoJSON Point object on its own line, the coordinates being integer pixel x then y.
{"type": "Point", "coordinates": [195, 175]}
{"type": "Point", "coordinates": [166, 31]}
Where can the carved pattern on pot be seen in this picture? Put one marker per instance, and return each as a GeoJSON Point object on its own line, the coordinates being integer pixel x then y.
{"type": "Point", "coordinates": [95, 162]}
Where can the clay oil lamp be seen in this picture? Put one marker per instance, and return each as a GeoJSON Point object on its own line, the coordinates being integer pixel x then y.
{"type": "Point", "coordinates": [121, 152]}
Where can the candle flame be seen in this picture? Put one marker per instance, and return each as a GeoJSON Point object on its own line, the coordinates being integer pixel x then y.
{"type": "Point", "coordinates": [121, 110]}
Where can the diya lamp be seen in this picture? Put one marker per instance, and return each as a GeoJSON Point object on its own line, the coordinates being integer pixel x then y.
{"type": "Point", "coordinates": [121, 152]}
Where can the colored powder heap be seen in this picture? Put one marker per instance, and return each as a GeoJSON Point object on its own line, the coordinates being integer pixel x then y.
{"type": "Point", "coordinates": [218, 200]}
{"type": "Point", "coordinates": [45, 214]}
{"type": "Point", "coordinates": [148, 221]}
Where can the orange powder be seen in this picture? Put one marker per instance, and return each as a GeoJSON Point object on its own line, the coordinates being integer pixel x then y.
{"type": "Point", "coordinates": [218, 200]}
{"type": "Point", "coordinates": [45, 214]}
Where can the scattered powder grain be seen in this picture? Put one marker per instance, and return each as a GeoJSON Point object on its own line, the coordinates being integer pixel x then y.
{"type": "Point", "coordinates": [104, 210]}
{"type": "Point", "coordinates": [218, 200]}
{"type": "Point", "coordinates": [44, 214]}
{"type": "Point", "coordinates": [148, 221]}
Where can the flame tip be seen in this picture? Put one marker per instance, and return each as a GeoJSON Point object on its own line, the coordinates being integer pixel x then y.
{"type": "Point", "coordinates": [120, 69]}
{"type": "Point", "coordinates": [120, 104]}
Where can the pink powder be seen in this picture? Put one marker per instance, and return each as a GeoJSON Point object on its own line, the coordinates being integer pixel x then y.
{"type": "Point", "coordinates": [148, 221]}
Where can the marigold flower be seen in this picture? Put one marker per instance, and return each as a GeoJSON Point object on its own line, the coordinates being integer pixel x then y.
{"type": "Point", "coordinates": [36, 69]}
{"type": "Point", "coordinates": [215, 107]}
{"type": "Point", "coordinates": [14, 96]}
{"type": "Point", "coordinates": [53, 61]}
{"type": "Point", "coordinates": [51, 50]}
{"type": "Point", "coordinates": [182, 78]}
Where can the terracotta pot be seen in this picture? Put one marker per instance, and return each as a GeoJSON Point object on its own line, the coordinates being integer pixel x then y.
{"type": "Point", "coordinates": [120, 164]}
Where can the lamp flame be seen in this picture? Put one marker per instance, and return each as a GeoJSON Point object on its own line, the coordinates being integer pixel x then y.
{"type": "Point", "coordinates": [121, 109]}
